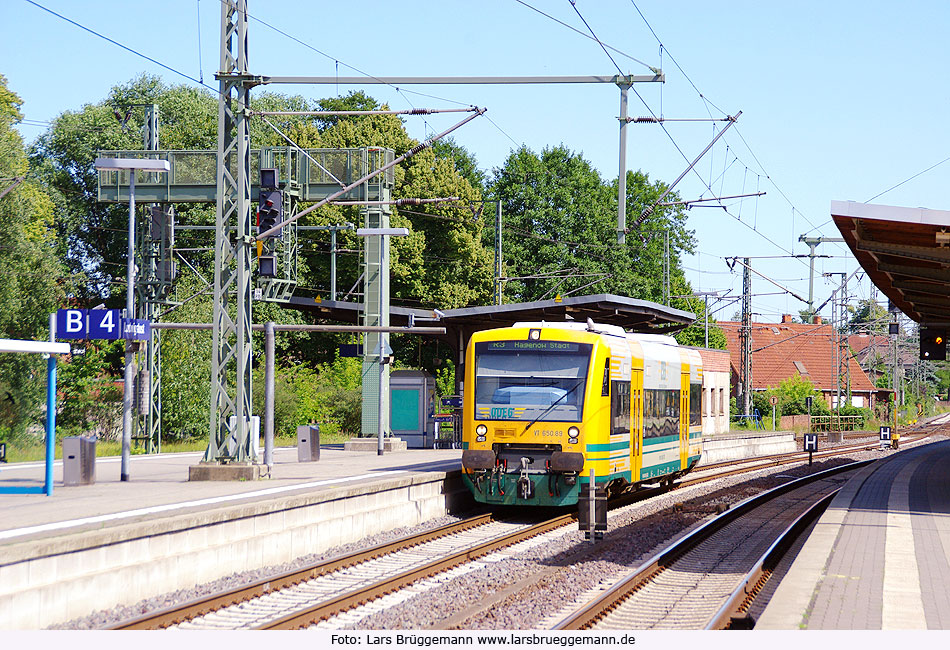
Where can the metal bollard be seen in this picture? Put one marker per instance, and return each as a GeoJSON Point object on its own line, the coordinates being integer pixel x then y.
{"type": "Point", "coordinates": [308, 443]}
{"type": "Point", "coordinates": [79, 460]}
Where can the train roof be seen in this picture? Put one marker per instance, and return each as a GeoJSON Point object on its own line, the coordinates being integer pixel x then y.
{"type": "Point", "coordinates": [601, 328]}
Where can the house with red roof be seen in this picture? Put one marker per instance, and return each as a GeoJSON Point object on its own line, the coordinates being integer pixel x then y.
{"type": "Point", "coordinates": [782, 350]}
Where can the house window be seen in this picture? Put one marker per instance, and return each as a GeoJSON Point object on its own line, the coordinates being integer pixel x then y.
{"type": "Point", "coordinates": [722, 401]}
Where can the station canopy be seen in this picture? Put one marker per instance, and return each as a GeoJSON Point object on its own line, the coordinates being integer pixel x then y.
{"type": "Point", "coordinates": [905, 252]}
{"type": "Point", "coordinates": [633, 315]}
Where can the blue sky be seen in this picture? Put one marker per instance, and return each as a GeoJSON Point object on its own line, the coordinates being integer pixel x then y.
{"type": "Point", "coordinates": [839, 100]}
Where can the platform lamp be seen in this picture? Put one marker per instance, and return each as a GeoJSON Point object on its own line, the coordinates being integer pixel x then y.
{"type": "Point", "coordinates": [383, 234]}
{"type": "Point", "coordinates": [131, 165]}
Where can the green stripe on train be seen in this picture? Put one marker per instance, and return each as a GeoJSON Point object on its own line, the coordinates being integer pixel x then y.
{"type": "Point", "coordinates": [611, 446]}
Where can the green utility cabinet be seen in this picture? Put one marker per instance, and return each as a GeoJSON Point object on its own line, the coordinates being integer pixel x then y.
{"type": "Point", "coordinates": [412, 404]}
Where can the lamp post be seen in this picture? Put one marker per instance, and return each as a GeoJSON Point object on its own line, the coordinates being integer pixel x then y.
{"type": "Point", "coordinates": [130, 164]}
{"type": "Point", "coordinates": [383, 305]}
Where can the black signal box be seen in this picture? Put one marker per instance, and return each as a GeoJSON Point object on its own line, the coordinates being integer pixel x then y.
{"type": "Point", "coordinates": [933, 343]}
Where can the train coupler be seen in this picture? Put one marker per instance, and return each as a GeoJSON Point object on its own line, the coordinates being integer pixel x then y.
{"type": "Point", "coordinates": [525, 484]}
{"type": "Point", "coordinates": [479, 479]}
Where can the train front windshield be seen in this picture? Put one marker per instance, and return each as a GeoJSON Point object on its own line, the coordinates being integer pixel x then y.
{"type": "Point", "coordinates": [531, 380]}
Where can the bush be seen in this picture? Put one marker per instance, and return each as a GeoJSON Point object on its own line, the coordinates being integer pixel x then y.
{"type": "Point", "coordinates": [864, 413]}
{"type": "Point", "coordinates": [329, 394]}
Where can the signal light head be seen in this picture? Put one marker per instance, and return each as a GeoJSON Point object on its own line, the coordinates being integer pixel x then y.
{"type": "Point", "coordinates": [933, 343]}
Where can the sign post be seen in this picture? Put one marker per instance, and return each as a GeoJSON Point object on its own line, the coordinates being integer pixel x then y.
{"type": "Point", "coordinates": [811, 445]}
{"type": "Point", "coordinates": [885, 438]}
{"type": "Point", "coordinates": [773, 400]}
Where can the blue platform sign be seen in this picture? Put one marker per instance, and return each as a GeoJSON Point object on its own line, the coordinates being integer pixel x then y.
{"type": "Point", "coordinates": [72, 323]}
{"type": "Point", "coordinates": [136, 329]}
{"type": "Point", "coordinates": [98, 324]}
{"type": "Point", "coordinates": [105, 324]}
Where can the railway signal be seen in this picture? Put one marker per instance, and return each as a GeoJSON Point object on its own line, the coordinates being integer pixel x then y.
{"type": "Point", "coordinates": [933, 343]}
{"type": "Point", "coordinates": [270, 211]}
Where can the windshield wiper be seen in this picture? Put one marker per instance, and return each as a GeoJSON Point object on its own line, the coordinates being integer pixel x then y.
{"type": "Point", "coordinates": [555, 403]}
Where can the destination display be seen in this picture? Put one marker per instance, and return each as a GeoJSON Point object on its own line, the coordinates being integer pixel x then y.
{"type": "Point", "coordinates": [533, 346]}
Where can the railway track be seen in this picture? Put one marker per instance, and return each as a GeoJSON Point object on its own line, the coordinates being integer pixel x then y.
{"type": "Point", "coordinates": [304, 597]}
{"type": "Point", "coordinates": [762, 462]}
{"type": "Point", "coordinates": [707, 579]}
{"type": "Point", "coordinates": [335, 585]}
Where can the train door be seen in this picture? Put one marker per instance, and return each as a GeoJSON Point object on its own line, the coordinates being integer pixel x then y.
{"type": "Point", "coordinates": [684, 416]}
{"type": "Point", "coordinates": [636, 425]}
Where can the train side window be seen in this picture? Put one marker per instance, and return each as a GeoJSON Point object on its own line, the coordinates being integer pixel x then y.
{"type": "Point", "coordinates": [605, 390]}
{"type": "Point", "coordinates": [620, 407]}
{"type": "Point", "coordinates": [695, 404]}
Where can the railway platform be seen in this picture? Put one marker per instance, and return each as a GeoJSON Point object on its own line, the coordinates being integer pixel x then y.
{"type": "Point", "coordinates": [90, 547]}
{"type": "Point", "coordinates": [879, 557]}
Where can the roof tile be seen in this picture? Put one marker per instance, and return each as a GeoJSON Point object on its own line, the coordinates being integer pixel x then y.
{"type": "Point", "coordinates": [777, 346]}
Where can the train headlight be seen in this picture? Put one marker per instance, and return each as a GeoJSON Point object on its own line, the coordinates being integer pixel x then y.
{"type": "Point", "coordinates": [573, 434]}
{"type": "Point", "coordinates": [480, 432]}
{"type": "Point", "coordinates": [534, 335]}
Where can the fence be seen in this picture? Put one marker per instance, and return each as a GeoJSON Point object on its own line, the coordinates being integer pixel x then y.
{"type": "Point", "coordinates": [836, 422]}
{"type": "Point", "coordinates": [753, 421]}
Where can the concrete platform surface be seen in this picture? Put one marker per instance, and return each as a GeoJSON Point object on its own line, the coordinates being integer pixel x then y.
{"type": "Point", "coordinates": [159, 485]}
{"type": "Point", "coordinates": [879, 557]}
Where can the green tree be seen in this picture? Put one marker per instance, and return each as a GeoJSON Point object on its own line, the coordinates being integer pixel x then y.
{"type": "Point", "coordinates": [33, 279]}
{"type": "Point", "coordinates": [442, 263]}
{"type": "Point", "coordinates": [868, 316]}
{"type": "Point", "coordinates": [792, 392]}
{"type": "Point", "coordinates": [463, 160]}
{"type": "Point", "coordinates": [91, 400]}
{"type": "Point", "coordinates": [560, 230]}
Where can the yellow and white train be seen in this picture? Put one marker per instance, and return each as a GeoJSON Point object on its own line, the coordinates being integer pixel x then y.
{"type": "Point", "coordinates": [544, 403]}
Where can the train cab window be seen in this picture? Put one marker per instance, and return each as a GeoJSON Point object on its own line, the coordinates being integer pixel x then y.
{"type": "Point", "coordinates": [531, 380]}
{"type": "Point", "coordinates": [605, 389]}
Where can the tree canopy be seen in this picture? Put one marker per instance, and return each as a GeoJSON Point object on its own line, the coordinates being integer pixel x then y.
{"type": "Point", "coordinates": [33, 281]}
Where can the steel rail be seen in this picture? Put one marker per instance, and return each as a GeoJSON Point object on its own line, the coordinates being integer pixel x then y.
{"type": "Point", "coordinates": [587, 615]}
{"type": "Point", "coordinates": [732, 612]}
{"type": "Point", "coordinates": [764, 462]}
